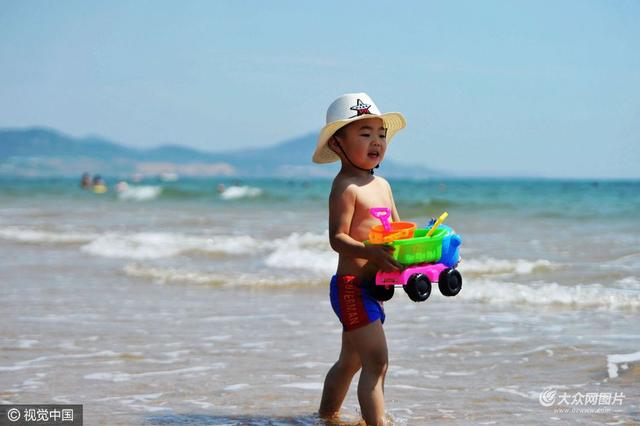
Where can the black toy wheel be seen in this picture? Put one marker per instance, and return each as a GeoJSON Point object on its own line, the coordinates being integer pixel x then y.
{"type": "Point", "coordinates": [381, 293]}
{"type": "Point", "coordinates": [418, 287]}
{"type": "Point", "coordinates": [450, 282]}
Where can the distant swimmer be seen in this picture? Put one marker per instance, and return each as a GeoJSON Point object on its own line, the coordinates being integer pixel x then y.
{"type": "Point", "coordinates": [85, 181]}
{"type": "Point", "coordinates": [99, 185]}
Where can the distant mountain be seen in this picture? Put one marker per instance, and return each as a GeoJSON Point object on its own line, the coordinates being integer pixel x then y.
{"type": "Point", "coordinates": [45, 152]}
{"type": "Point", "coordinates": [43, 142]}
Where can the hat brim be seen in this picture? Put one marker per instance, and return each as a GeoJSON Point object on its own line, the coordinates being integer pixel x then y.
{"type": "Point", "coordinates": [393, 121]}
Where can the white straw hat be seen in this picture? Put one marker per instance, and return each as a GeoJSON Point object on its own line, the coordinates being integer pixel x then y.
{"type": "Point", "coordinates": [346, 109]}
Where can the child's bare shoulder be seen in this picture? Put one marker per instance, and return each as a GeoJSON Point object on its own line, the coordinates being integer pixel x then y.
{"type": "Point", "coordinates": [379, 185]}
{"type": "Point", "coordinates": [382, 182]}
{"type": "Point", "coordinates": [343, 185]}
{"type": "Point", "coordinates": [343, 194]}
{"type": "Point", "coordinates": [347, 191]}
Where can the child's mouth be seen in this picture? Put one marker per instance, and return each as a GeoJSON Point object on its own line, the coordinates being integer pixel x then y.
{"type": "Point", "coordinates": [373, 154]}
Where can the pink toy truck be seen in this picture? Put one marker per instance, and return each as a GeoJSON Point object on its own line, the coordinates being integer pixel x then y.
{"type": "Point", "coordinates": [417, 279]}
{"type": "Point", "coordinates": [429, 255]}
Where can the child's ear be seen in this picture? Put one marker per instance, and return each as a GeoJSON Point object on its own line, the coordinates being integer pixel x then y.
{"type": "Point", "coordinates": [333, 144]}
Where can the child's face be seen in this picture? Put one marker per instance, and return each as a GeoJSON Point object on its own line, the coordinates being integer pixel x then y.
{"type": "Point", "coordinates": [364, 142]}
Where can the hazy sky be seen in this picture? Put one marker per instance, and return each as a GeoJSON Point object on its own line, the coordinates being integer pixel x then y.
{"type": "Point", "coordinates": [535, 88]}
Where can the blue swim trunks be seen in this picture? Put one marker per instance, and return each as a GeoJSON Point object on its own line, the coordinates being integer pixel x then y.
{"type": "Point", "coordinates": [351, 302]}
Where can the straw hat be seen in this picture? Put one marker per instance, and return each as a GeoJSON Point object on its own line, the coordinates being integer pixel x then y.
{"type": "Point", "coordinates": [346, 109]}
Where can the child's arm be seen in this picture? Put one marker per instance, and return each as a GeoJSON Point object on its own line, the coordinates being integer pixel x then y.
{"type": "Point", "coordinates": [341, 208]}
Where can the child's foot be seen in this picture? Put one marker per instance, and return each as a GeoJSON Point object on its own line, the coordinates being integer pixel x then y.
{"type": "Point", "coordinates": [337, 420]}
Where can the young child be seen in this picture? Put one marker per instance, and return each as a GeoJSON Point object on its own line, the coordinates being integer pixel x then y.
{"type": "Point", "coordinates": [357, 134]}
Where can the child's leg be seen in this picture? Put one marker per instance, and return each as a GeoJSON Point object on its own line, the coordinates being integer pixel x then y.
{"type": "Point", "coordinates": [371, 344]}
{"type": "Point", "coordinates": [338, 379]}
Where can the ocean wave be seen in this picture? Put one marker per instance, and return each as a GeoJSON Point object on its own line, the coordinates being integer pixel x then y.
{"type": "Point", "coordinates": [146, 245]}
{"type": "Point", "coordinates": [629, 262]}
{"type": "Point", "coordinates": [236, 192]}
{"type": "Point", "coordinates": [165, 275]}
{"type": "Point", "coordinates": [615, 361]}
{"type": "Point", "coordinates": [297, 251]}
{"type": "Point", "coordinates": [594, 296]}
{"type": "Point", "coordinates": [551, 294]}
{"type": "Point", "coordinates": [239, 279]}
{"type": "Point", "coordinates": [629, 282]}
{"type": "Point", "coordinates": [35, 236]}
{"type": "Point", "coordinates": [294, 251]}
{"type": "Point", "coordinates": [139, 193]}
{"type": "Point", "coordinates": [306, 251]}
{"type": "Point", "coordinates": [491, 266]}
{"type": "Point", "coordinates": [156, 245]}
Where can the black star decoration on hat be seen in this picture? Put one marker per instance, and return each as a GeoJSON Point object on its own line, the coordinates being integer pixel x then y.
{"type": "Point", "coordinates": [361, 108]}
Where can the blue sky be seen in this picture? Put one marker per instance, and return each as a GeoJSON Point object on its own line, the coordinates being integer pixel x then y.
{"type": "Point", "coordinates": [489, 88]}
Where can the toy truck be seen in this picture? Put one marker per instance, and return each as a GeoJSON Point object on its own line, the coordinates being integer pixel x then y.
{"type": "Point", "coordinates": [430, 255]}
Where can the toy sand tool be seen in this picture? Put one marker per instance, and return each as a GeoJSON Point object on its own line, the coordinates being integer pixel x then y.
{"type": "Point", "coordinates": [441, 219]}
{"type": "Point", "coordinates": [382, 214]}
{"type": "Point", "coordinates": [387, 231]}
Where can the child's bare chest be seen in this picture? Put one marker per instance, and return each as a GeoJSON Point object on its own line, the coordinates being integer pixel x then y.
{"type": "Point", "coordinates": [368, 197]}
{"type": "Point", "coordinates": [375, 197]}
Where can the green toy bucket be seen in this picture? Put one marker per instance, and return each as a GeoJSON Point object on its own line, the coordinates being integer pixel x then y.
{"type": "Point", "coordinates": [420, 248]}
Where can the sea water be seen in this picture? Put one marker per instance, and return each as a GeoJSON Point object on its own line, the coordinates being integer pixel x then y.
{"type": "Point", "coordinates": [178, 305]}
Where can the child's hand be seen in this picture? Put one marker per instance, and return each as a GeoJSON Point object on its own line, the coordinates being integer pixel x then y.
{"type": "Point", "coordinates": [382, 258]}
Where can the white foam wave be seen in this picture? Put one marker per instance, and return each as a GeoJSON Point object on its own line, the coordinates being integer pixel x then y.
{"type": "Point", "coordinates": [238, 244]}
{"type": "Point", "coordinates": [629, 282]}
{"type": "Point", "coordinates": [200, 403]}
{"type": "Point", "coordinates": [139, 397]}
{"type": "Point", "coordinates": [237, 387]}
{"type": "Point", "coordinates": [305, 386]}
{"type": "Point", "coordinates": [147, 245]}
{"type": "Point", "coordinates": [412, 388]}
{"type": "Point", "coordinates": [156, 245]}
{"type": "Point", "coordinates": [312, 364]}
{"type": "Point", "coordinates": [26, 343]}
{"type": "Point", "coordinates": [309, 252]}
{"type": "Point", "coordinates": [304, 251]}
{"type": "Point", "coordinates": [397, 371]}
{"type": "Point", "coordinates": [491, 266]}
{"type": "Point", "coordinates": [140, 193]}
{"type": "Point", "coordinates": [169, 275]}
{"type": "Point", "coordinates": [123, 377]}
{"type": "Point", "coordinates": [548, 294]}
{"type": "Point", "coordinates": [20, 365]}
{"type": "Point", "coordinates": [614, 359]}
{"type": "Point", "coordinates": [30, 235]}
{"type": "Point", "coordinates": [513, 390]}
{"type": "Point", "coordinates": [164, 275]}
{"type": "Point", "coordinates": [299, 251]}
{"type": "Point", "coordinates": [236, 192]}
